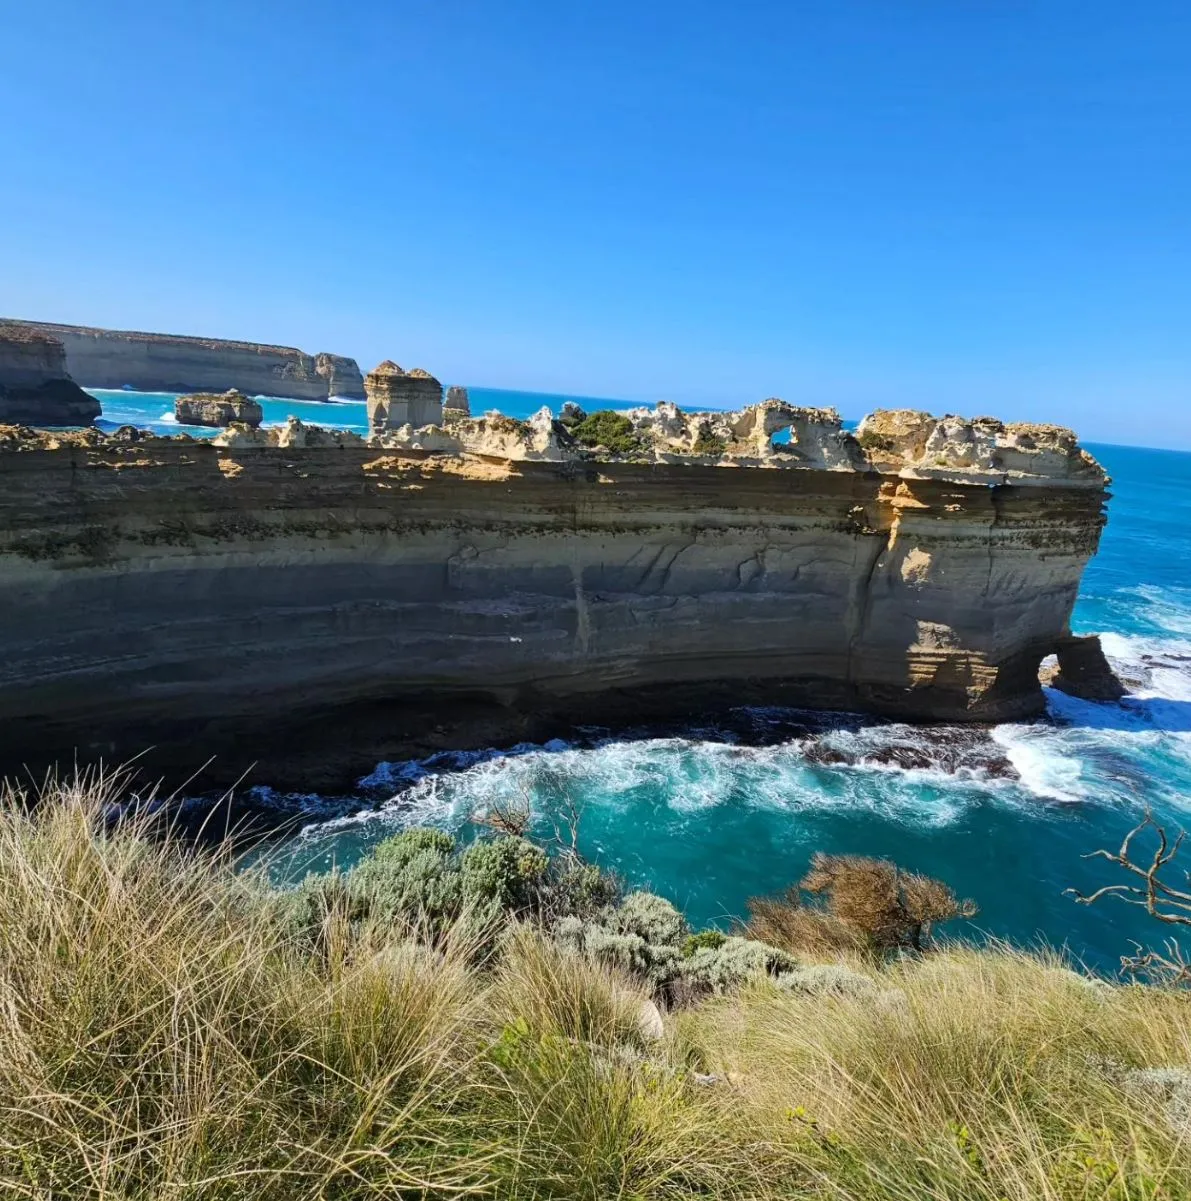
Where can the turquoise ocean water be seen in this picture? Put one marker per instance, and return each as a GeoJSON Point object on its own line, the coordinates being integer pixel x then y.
{"type": "Point", "coordinates": [711, 816]}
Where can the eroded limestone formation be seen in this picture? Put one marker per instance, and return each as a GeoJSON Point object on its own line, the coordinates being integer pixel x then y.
{"type": "Point", "coordinates": [495, 580]}
{"type": "Point", "coordinates": [34, 384]}
{"type": "Point", "coordinates": [458, 403]}
{"type": "Point", "coordinates": [206, 408]}
{"type": "Point", "coordinates": [398, 398]}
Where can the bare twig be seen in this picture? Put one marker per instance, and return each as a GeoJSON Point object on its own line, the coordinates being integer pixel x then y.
{"type": "Point", "coordinates": [1160, 900]}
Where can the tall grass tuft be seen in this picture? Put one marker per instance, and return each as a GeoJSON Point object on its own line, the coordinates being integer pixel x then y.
{"type": "Point", "coordinates": [164, 1034]}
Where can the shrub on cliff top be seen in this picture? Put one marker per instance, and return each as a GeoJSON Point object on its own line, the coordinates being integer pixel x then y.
{"type": "Point", "coordinates": [609, 429]}
{"type": "Point", "coordinates": [851, 902]}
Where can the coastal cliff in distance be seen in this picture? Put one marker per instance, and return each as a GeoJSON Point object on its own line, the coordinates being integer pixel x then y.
{"type": "Point", "coordinates": [267, 600]}
{"type": "Point", "coordinates": [108, 358]}
{"type": "Point", "coordinates": [35, 386]}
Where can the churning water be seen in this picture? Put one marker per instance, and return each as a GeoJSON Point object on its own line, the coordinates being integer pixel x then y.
{"type": "Point", "coordinates": [710, 817]}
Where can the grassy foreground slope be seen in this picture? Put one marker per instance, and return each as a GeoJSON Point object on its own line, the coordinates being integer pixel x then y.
{"type": "Point", "coordinates": [164, 1033]}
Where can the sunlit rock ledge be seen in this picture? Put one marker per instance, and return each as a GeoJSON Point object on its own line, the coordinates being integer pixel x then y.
{"type": "Point", "coordinates": [900, 442]}
{"type": "Point", "coordinates": [315, 601]}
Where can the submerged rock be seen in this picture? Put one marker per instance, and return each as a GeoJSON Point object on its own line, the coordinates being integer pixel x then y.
{"type": "Point", "coordinates": [204, 408]}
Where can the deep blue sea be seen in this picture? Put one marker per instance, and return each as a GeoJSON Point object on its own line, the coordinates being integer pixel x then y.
{"type": "Point", "coordinates": [710, 817]}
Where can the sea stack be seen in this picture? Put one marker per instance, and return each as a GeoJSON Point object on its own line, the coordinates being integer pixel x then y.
{"type": "Point", "coordinates": [458, 403]}
{"type": "Point", "coordinates": [205, 408]}
{"type": "Point", "coordinates": [397, 398]}
{"type": "Point", "coordinates": [35, 388]}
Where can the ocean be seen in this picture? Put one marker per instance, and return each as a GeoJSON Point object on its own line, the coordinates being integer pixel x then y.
{"type": "Point", "coordinates": [710, 816]}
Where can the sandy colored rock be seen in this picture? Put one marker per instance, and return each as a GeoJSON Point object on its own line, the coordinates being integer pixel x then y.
{"type": "Point", "coordinates": [910, 443]}
{"type": "Point", "coordinates": [398, 398]}
{"type": "Point", "coordinates": [204, 408]}
{"type": "Point", "coordinates": [35, 387]}
{"type": "Point", "coordinates": [457, 403]}
{"type": "Point", "coordinates": [149, 362]}
{"type": "Point", "coordinates": [342, 376]}
{"type": "Point", "coordinates": [295, 588]}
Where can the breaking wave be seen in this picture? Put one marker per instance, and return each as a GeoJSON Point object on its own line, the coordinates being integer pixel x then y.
{"type": "Point", "coordinates": [1007, 814]}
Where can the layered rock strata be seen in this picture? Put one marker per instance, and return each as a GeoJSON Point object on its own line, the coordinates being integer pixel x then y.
{"type": "Point", "coordinates": [205, 408]}
{"type": "Point", "coordinates": [342, 375]}
{"type": "Point", "coordinates": [110, 358]}
{"type": "Point", "coordinates": [398, 398]}
{"type": "Point", "coordinates": [35, 386]}
{"type": "Point", "coordinates": [357, 601]}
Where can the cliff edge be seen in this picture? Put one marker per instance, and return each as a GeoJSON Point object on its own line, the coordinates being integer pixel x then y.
{"type": "Point", "coordinates": [147, 362]}
{"type": "Point", "coordinates": [35, 387]}
{"type": "Point", "coordinates": [282, 591]}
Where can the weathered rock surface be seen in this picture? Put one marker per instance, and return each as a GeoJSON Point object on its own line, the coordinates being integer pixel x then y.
{"type": "Point", "coordinates": [206, 408]}
{"type": "Point", "coordinates": [342, 375]}
{"type": "Point", "coordinates": [398, 398]}
{"type": "Point", "coordinates": [1084, 671]}
{"type": "Point", "coordinates": [457, 404]}
{"type": "Point", "coordinates": [35, 387]}
{"type": "Point", "coordinates": [111, 358]}
{"type": "Point", "coordinates": [293, 433]}
{"type": "Point", "coordinates": [286, 590]}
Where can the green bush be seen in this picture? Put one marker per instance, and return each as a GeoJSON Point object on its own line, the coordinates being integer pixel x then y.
{"type": "Point", "coordinates": [608, 429]}
{"type": "Point", "coordinates": [733, 963]}
{"type": "Point", "coordinates": [709, 939]}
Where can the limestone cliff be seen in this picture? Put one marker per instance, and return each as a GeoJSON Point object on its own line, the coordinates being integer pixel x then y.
{"type": "Point", "coordinates": [109, 358]}
{"type": "Point", "coordinates": [261, 600]}
{"type": "Point", "coordinates": [398, 398]}
{"type": "Point", "coordinates": [206, 408]}
{"type": "Point", "coordinates": [342, 375]}
{"type": "Point", "coordinates": [34, 384]}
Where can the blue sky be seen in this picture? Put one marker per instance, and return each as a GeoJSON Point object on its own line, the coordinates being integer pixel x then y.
{"type": "Point", "coordinates": [975, 206]}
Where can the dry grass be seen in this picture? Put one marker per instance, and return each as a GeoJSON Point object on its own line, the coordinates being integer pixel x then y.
{"type": "Point", "coordinates": [159, 1039]}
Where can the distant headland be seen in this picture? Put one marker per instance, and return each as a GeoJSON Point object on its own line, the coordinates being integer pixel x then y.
{"type": "Point", "coordinates": [451, 580]}
{"type": "Point", "coordinates": [146, 362]}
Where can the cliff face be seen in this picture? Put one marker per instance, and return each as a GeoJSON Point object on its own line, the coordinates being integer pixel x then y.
{"type": "Point", "coordinates": [106, 358]}
{"type": "Point", "coordinates": [397, 398]}
{"type": "Point", "coordinates": [374, 601]}
{"type": "Point", "coordinates": [342, 375]}
{"type": "Point", "coordinates": [34, 384]}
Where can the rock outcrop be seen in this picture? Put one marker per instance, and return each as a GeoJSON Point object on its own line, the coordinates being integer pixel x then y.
{"type": "Point", "coordinates": [35, 387]}
{"type": "Point", "coordinates": [277, 592]}
{"type": "Point", "coordinates": [457, 404]}
{"type": "Point", "coordinates": [205, 408]}
{"type": "Point", "coordinates": [1084, 671]}
{"type": "Point", "coordinates": [342, 375]}
{"type": "Point", "coordinates": [111, 358]}
{"type": "Point", "coordinates": [397, 398]}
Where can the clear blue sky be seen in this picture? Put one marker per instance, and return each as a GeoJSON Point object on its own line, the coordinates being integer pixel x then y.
{"type": "Point", "coordinates": [964, 205]}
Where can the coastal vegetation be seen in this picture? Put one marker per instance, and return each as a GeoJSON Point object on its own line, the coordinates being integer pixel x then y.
{"type": "Point", "coordinates": [503, 1020]}
{"type": "Point", "coordinates": [608, 429]}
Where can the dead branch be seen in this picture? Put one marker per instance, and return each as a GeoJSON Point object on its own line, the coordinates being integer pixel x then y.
{"type": "Point", "coordinates": [1162, 901]}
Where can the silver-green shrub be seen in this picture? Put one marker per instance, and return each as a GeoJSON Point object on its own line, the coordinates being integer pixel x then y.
{"type": "Point", "coordinates": [733, 963]}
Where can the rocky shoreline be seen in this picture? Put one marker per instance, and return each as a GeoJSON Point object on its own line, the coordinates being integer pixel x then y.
{"type": "Point", "coordinates": [316, 602]}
